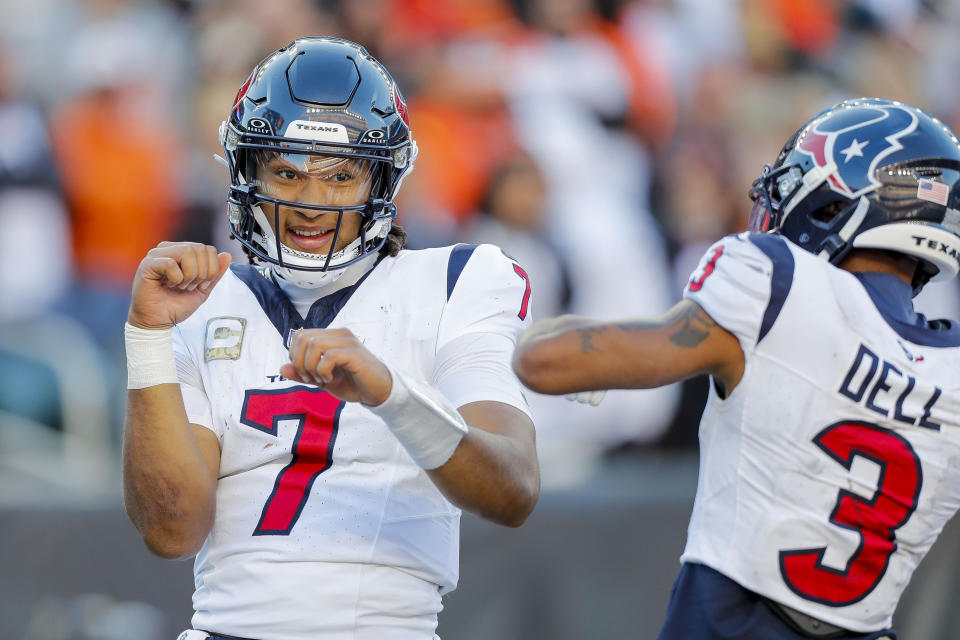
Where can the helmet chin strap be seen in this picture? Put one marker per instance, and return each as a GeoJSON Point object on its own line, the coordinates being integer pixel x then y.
{"type": "Point", "coordinates": [319, 279]}
{"type": "Point", "coordinates": [293, 259]}
{"type": "Point", "coordinates": [307, 279]}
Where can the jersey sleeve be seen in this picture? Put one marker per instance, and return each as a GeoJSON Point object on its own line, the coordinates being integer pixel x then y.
{"type": "Point", "coordinates": [476, 367]}
{"type": "Point", "coordinates": [195, 399]}
{"type": "Point", "coordinates": [487, 308]}
{"type": "Point", "coordinates": [734, 284]}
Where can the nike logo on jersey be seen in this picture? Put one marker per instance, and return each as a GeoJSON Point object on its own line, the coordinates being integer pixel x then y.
{"type": "Point", "coordinates": [876, 391]}
{"type": "Point", "coordinates": [910, 356]}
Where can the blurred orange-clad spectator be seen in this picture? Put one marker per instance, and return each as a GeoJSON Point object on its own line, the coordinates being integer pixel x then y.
{"type": "Point", "coordinates": [116, 143]}
{"type": "Point", "coordinates": [428, 19]}
{"type": "Point", "coordinates": [781, 33]}
{"type": "Point", "coordinates": [120, 177]}
{"type": "Point", "coordinates": [809, 25]}
{"type": "Point", "coordinates": [458, 151]}
{"type": "Point", "coordinates": [458, 113]}
{"type": "Point", "coordinates": [652, 113]}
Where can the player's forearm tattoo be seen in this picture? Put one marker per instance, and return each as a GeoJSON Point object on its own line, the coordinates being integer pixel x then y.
{"type": "Point", "coordinates": [696, 325]}
{"type": "Point", "coordinates": [586, 339]}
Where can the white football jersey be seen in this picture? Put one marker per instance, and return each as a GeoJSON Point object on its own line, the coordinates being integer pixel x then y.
{"type": "Point", "coordinates": [829, 471]}
{"type": "Point", "coordinates": [325, 527]}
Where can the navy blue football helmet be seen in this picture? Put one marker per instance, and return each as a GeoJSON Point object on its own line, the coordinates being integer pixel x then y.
{"type": "Point", "coordinates": [867, 173]}
{"type": "Point", "coordinates": [317, 102]}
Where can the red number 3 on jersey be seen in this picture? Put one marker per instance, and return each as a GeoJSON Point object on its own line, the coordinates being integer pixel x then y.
{"type": "Point", "coordinates": [875, 520]}
{"type": "Point", "coordinates": [696, 282]}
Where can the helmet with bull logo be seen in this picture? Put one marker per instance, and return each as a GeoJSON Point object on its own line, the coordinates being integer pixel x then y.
{"type": "Point", "coordinates": [867, 173]}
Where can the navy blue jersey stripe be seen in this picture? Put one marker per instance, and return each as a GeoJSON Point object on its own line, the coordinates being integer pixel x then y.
{"type": "Point", "coordinates": [272, 299]}
{"type": "Point", "coordinates": [282, 313]}
{"type": "Point", "coordinates": [780, 282]}
{"type": "Point", "coordinates": [457, 261]}
{"type": "Point", "coordinates": [323, 311]}
{"type": "Point", "coordinates": [893, 298]}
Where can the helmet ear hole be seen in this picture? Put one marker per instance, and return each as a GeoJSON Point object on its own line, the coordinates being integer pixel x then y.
{"type": "Point", "coordinates": [924, 273]}
{"type": "Point", "coordinates": [827, 213]}
{"type": "Point", "coordinates": [819, 209]}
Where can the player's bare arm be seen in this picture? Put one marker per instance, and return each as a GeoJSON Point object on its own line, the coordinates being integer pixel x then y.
{"type": "Point", "coordinates": [570, 354]}
{"type": "Point", "coordinates": [493, 470]}
{"type": "Point", "coordinates": [169, 466]}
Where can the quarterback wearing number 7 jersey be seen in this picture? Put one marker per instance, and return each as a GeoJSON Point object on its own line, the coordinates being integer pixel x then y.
{"type": "Point", "coordinates": [311, 424]}
{"type": "Point", "coordinates": [322, 483]}
{"type": "Point", "coordinates": [829, 440]}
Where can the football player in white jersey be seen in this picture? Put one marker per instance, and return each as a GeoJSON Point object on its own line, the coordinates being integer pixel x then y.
{"type": "Point", "coordinates": [310, 425]}
{"type": "Point", "coordinates": [829, 442]}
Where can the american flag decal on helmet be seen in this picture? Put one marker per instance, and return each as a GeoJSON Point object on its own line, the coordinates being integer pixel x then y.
{"type": "Point", "coordinates": [933, 191]}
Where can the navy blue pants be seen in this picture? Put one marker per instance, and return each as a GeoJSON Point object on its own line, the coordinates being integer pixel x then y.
{"type": "Point", "coordinates": [707, 605]}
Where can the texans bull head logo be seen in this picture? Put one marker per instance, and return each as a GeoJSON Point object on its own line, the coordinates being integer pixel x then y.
{"type": "Point", "coordinates": [856, 140]}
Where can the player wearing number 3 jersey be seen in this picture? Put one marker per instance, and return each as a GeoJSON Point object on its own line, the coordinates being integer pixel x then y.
{"type": "Point", "coordinates": [828, 443]}
{"type": "Point", "coordinates": [310, 425]}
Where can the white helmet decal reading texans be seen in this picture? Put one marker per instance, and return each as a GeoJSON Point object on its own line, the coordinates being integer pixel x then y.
{"type": "Point", "coordinates": [856, 141]}
{"type": "Point", "coordinates": [871, 174]}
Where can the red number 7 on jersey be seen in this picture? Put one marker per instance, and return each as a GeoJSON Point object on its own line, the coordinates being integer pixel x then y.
{"type": "Point", "coordinates": [318, 416]}
{"type": "Point", "coordinates": [526, 294]}
{"type": "Point", "coordinates": [696, 282]}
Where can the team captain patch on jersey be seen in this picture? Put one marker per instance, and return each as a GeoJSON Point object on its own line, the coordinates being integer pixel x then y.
{"type": "Point", "coordinates": [320, 510]}
{"type": "Point", "coordinates": [829, 508]}
{"type": "Point", "coordinates": [224, 338]}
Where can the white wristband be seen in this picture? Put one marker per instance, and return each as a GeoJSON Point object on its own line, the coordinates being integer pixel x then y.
{"type": "Point", "coordinates": [149, 356]}
{"type": "Point", "coordinates": [423, 420]}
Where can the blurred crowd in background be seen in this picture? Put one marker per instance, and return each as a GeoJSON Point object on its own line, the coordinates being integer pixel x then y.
{"type": "Point", "coordinates": [605, 144]}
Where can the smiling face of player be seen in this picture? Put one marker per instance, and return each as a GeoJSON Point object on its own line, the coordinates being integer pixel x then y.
{"type": "Point", "coordinates": [313, 180]}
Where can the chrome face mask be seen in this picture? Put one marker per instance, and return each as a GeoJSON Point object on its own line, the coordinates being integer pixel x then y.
{"type": "Point", "coordinates": [308, 183]}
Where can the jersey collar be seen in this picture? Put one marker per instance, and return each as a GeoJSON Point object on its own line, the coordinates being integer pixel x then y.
{"type": "Point", "coordinates": [893, 298]}
{"type": "Point", "coordinates": [282, 312]}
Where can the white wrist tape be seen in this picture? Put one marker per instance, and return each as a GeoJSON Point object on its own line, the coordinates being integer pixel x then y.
{"type": "Point", "coordinates": [149, 356]}
{"type": "Point", "coordinates": [423, 421]}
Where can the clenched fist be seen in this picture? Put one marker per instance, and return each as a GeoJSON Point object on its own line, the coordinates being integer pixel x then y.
{"type": "Point", "coordinates": [172, 281]}
{"type": "Point", "coordinates": [337, 361]}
